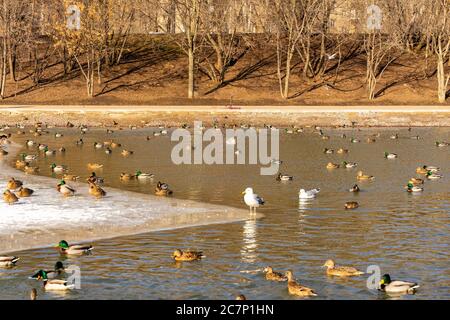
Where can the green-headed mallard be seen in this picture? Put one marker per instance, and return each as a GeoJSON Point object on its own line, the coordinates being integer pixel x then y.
{"type": "Point", "coordinates": [295, 288]}
{"type": "Point", "coordinates": [76, 249]}
{"type": "Point", "coordinates": [274, 276]}
{"type": "Point", "coordinates": [24, 192]}
{"type": "Point", "coordinates": [412, 188]}
{"type": "Point", "coordinates": [13, 184]}
{"type": "Point", "coordinates": [48, 152]}
{"type": "Point", "coordinates": [143, 175]}
{"type": "Point", "coordinates": [162, 189]}
{"type": "Point", "coordinates": [351, 205]}
{"type": "Point", "coordinates": [8, 261]}
{"type": "Point", "coordinates": [397, 286]}
{"type": "Point", "coordinates": [189, 255]}
{"type": "Point", "coordinates": [388, 155]}
{"type": "Point", "coordinates": [433, 176]}
{"type": "Point", "coordinates": [57, 271]}
{"type": "Point", "coordinates": [60, 169]}
{"type": "Point", "coordinates": [96, 191]}
{"type": "Point", "coordinates": [340, 271]}
{"type": "Point", "coordinates": [54, 284]}
{"type": "Point", "coordinates": [65, 189]}
{"type": "Point", "coordinates": [361, 176]}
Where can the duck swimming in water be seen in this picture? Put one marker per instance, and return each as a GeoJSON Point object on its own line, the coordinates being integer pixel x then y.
{"type": "Point", "coordinates": [189, 255]}
{"type": "Point", "coordinates": [8, 261]}
{"type": "Point", "coordinates": [397, 286]}
{"type": "Point", "coordinates": [274, 276]}
{"type": "Point", "coordinates": [162, 189]}
{"type": "Point", "coordinates": [284, 177]}
{"type": "Point", "coordinates": [54, 284]}
{"type": "Point", "coordinates": [295, 288]}
{"type": "Point", "coordinates": [351, 205]}
{"type": "Point", "coordinates": [76, 249]}
{"type": "Point", "coordinates": [355, 188]}
{"type": "Point", "coordinates": [340, 271]}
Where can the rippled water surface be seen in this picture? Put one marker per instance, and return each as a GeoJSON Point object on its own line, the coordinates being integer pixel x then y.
{"type": "Point", "coordinates": [406, 235]}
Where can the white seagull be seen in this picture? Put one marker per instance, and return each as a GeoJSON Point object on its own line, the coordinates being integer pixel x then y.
{"type": "Point", "coordinates": [252, 200]}
{"type": "Point", "coordinates": [310, 194]}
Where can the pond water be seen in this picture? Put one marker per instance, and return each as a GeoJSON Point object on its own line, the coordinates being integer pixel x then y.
{"type": "Point", "coordinates": [406, 235]}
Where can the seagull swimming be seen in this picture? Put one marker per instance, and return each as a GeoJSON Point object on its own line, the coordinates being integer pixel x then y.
{"type": "Point", "coordinates": [310, 194]}
{"type": "Point", "coordinates": [252, 200]}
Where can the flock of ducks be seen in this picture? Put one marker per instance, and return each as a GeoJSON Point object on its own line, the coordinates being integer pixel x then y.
{"type": "Point", "coordinates": [52, 278]}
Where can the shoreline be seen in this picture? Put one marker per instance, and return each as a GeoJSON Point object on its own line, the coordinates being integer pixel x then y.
{"type": "Point", "coordinates": [172, 115]}
{"type": "Point", "coordinates": [25, 224]}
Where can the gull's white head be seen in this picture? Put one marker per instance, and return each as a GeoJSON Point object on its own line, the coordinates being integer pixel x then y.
{"type": "Point", "coordinates": [302, 191]}
{"type": "Point", "coordinates": [248, 191]}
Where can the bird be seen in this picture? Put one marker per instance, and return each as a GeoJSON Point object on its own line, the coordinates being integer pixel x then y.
{"type": "Point", "coordinates": [361, 176]}
{"type": "Point", "coordinates": [340, 271]}
{"type": "Point", "coordinates": [8, 261]}
{"type": "Point", "coordinates": [70, 177]}
{"type": "Point", "coordinates": [76, 249]}
{"type": "Point", "coordinates": [162, 189]}
{"type": "Point", "coordinates": [354, 140]}
{"type": "Point", "coordinates": [94, 166]}
{"type": "Point", "coordinates": [52, 274]}
{"type": "Point", "coordinates": [13, 184]}
{"type": "Point", "coordinates": [310, 194]}
{"type": "Point", "coordinates": [126, 153]}
{"type": "Point", "coordinates": [332, 165]}
{"type": "Point", "coordinates": [433, 176]}
{"type": "Point", "coordinates": [412, 188]}
{"type": "Point", "coordinates": [442, 144]}
{"type": "Point", "coordinates": [93, 178]}
{"type": "Point", "coordinates": [284, 177]}
{"type": "Point", "coordinates": [349, 165]}
{"type": "Point", "coordinates": [126, 176]}
{"type": "Point", "coordinates": [143, 176]}
{"type": "Point", "coordinates": [274, 276]}
{"type": "Point", "coordinates": [388, 155]}
{"type": "Point", "coordinates": [252, 200]}
{"type": "Point", "coordinates": [9, 197]}
{"type": "Point", "coordinates": [96, 190]}
{"type": "Point", "coordinates": [295, 288]}
{"type": "Point", "coordinates": [241, 297]}
{"type": "Point", "coordinates": [54, 284]}
{"type": "Point", "coordinates": [341, 151]}
{"type": "Point", "coordinates": [394, 137]}
{"type": "Point", "coordinates": [355, 188]}
{"type": "Point", "coordinates": [65, 189]}
{"type": "Point", "coordinates": [24, 192]}
{"type": "Point", "coordinates": [328, 151]}
{"type": "Point", "coordinates": [98, 145]}
{"type": "Point", "coordinates": [58, 168]}
{"type": "Point", "coordinates": [331, 56]}
{"type": "Point", "coordinates": [397, 286]}
{"type": "Point", "coordinates": [188, 255]}
{"type": "Point", "coordinates": [416, 181]}
{"type": "Point", "coordinates": [351, 205]}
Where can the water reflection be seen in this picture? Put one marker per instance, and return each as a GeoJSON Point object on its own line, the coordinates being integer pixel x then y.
{"type": "Point", "coordinates": [249, 243]}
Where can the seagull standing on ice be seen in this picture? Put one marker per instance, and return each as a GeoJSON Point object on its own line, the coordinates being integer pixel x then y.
{"type": "Point", "coordinates": [310, 194]}
{"type": "Point", "coordinates": [252, 200]}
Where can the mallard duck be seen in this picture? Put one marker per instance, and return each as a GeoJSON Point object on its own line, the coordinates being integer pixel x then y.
{"type": "Point", "coordinates": [9, 197]}
{"type": "Point", "coordinates": [189, 255]}
{"type": "Point", "coordinates": [127, 176]}
{"type": "Point", "coordinates": [310, 194]}
{"type": "Point", "coordinates": [126, 153]}
{"type": "Point", "coordinates": [96, 191]}
{"type": "Point", "coordinates": [58, 135]}
{"type": "Point", "coordinates": [341, 271]}
{"type": "Point", "coordinates": [28, 157]}
{"type": "Point", "coordinates": [371, 140]}
{"type": "Point", "coordinates": [412, 188]}
{"type": "Point", "coordinates": [442, 144]}
{"type": "Point", "coordinates": [108, 150]}
{"type": "Point", "coordinates": [241, 297]}
{"type": "Point", "coordinates": [295, 288]}
{"type": "Point", "coordinates": [65, 189]}
{"type": "Point", "coordinates": [361, 176]}
{"type": "Point", "coordinates": [54, 284]}
{"type": "Point", "coordinates": [351, 205]}
{"type": "Point", "coordinates": [30, 143]}
{"type": "Point", "coordinates": [94, 166]}
{"type": "Point", "coordinates": [21, 164]}
{"type": "Point", "coordinates": [394, 137]}
{"type": "Point", "coordinates": [13, 184]}
{"type": "Point", "coordinates": [422, 170]}
{"type": "Point", "coordinates": [24, 192]}
{"type": "Point", "coordinates": [162, 189]}
{"type": "Point", "coordinates": [62, 150]}
{"type": "Point", "coordinates": [60, 169]}
{"type": "Point", "coordinates": [98, 145]}
{"type": "Point", "coordinates": [341, 151]}
{"type": "Point", "coordinates": [75, 249]}
{"type": "Point", "coordinates": [115, 145]}
{"type": "Point", "coordinates": [397, 286]}
{"type": "Point", "coordinates": [30, 170]}
{"type": "Point", "coordinates": [52, 274]}
{"type": "Point", "coordinates": [328, 151]}
{"type": "Point", "coordinates": [354, 140]}
{"type": "Point", "coordinates": [42, 147]}
{"type": "Point", "coordinates": [349, 165]}
{"type": "Point", "coordinates": [433, 176]}
{"type": "Point", "coordinates": [79, 142]}
{"type": "Point", "coordinates": [274, 276]}
{"type": "Point", "coordinates": [284, 177]}
{"type": "Point", "coordinates": [416, 181]}
{"type": "Point", "coordinates": [355, 188]}
{"type": "Point", "coordinates": [331, 165]}
{"type": "Point", "coordinates": [8, 261]}
{"type": "Point", "coordinates": [432, 168]}
{"type": "Point", "coordinates": [70, 177]}
{"type": "Point", "coordinates": [143, 176]}
{"type": "Point", "coordinates": [48, 152]}
{"type": "Point", "coordinates": [388, 155]}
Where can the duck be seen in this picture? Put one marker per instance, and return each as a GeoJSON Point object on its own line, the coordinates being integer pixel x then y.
{"type": "Point", "coordinates": [21, 164]}
{"type": "Point", "coordinates": [340, 271]}
{"type": "Point", "coordinates": [48, 152]}
{"type": "Point", "coordinates": [274, 276]}
{"type": "Point", "coordinates": [355, 188]}
{"type": "Point", "coordinates": [361, 176]}
{"type": "Point", "coordinates": [416, 181]}
{"type": "Point", "coordinates": [24, 192]}
{"type": "Point", "coordinates": [276, 161]}
{"type": "Point", "coordinates": [354, 140]}
{"type": "Point", "coordinates": [8, 261]}
{"type": "Point", "coordinates": [13, 184]}
{"type": "Point", "coordinates": [328, 151]}
{"type": "Point", "coordinates": [388, 155]}
{"type": "Point", "coordinates": [30, 143]}
{"type": "Point", "coordinates": [397, 286]}
{"type": "Point", "coordinates": [412, 188]}
{"type": "Point", "coordinates": [96, 191]}
{"type": "Point", "coordinates": [189, 255]}
{"type": "Point", "coordinates": [52, 274]}
{"type": "Point", "coordinates": [143, 176]}
{"type": "Point", "coordinates": [310, 194]}
{"type": "Point", "coordinates": [284, 177]}
{"type": "Point", "coordinates": [115, 145]}
{"type": "Point", "coordinates": [252, 200]}
{"type": "Point", "coordinates": [9, 197]}
{"type": "Point", "coordinates": [54, 284]}
{"type": "Point", "coordinates": [79, 142]}
{"type": "Point", "coordinates": [42, 147]}
{"type": "Point", "coordinates": [241, 297]}
{"type": "Point", "coordinates": [94, 166]}
{"type": "Point", "coordinates": [98, 145]}
{"type": "Point", "coordinates": [162, 189]}
{"type": "Point", "coordinates": [349, 165]}
{"type": "Point", "coordinates": [28, 157]}
{"type": "Point", "coordinates": [331, 165]}
{"type": "Point", "coordinates": [30, 170]}
{"type": "Point", "coordinates": [371, 140]}
{"type": "Point", "coordinates": [65, 189]}
{"type": "Point", "coordinates": [295, 288]}
{"type": "Point", "coordinates": [126, 153]}
{"type": "Point", "coordinates": [351, 205]}
{"type": "Point", "coordinates": [432, 168]}
{"type": "Point", "coordinates": [422, 170]}
{"type": "Point", "coordinates": [70, 177]}
{"type": "Point", "coordinates": [58, 168]}
{"type": "Point", "coordinates": [76, 249]}
{"type": "Point", "coordinates": [58, 135]}
{"type": "Point", "coordinates": [442, 144]}
{"type": "Point", "coordinates": [341, 151]}
{"type": "Point", "coordinates": [93, 178]}
{"type": "Point", "coordinates": [127, 176]}
{"type": "Point", "coordinates": [108, 150]}
{"type": "Point", "coordinates": [394, 137]}
{"type": "Point", "coordinates": [62, 150]}
{"type": "Point", "coordinates": [433, 176]}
